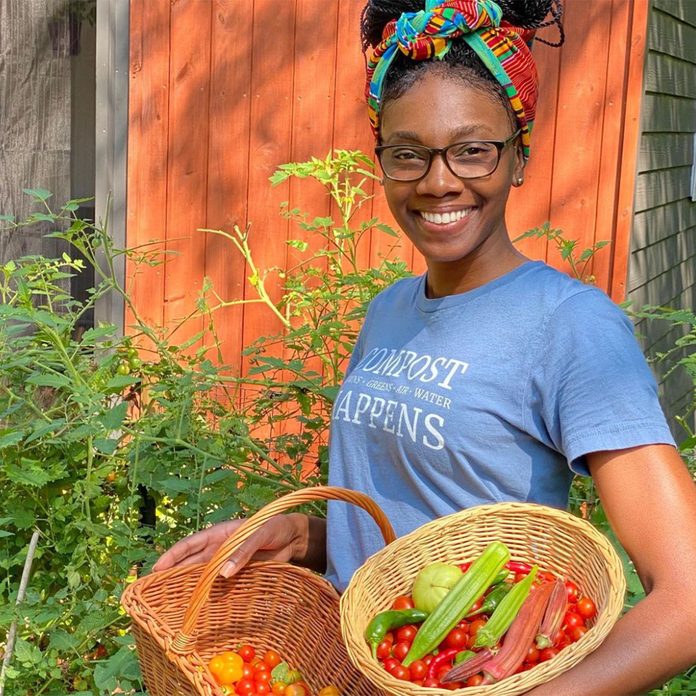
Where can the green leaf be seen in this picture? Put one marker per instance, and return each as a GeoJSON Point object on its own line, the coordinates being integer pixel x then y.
{"type": "Point", "coordinates": [113, 419]}
{"type": "Point", "coordinates": [11, 438]}
{"type": "Point", "coordinates": [56, 381]}
{"type": "Point", "coordinates": [38, 194]}
{"type": "Point", "coordinates": [28, 473]}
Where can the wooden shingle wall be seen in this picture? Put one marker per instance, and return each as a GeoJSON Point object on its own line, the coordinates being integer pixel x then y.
{"type": "Point", "coordinates": [662, 266]}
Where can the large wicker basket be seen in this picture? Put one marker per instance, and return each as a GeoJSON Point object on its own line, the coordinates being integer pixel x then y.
{"type": "Point", "coordinates": [182, 617]}
{"type": "Point", "coordinates": [557, 541]}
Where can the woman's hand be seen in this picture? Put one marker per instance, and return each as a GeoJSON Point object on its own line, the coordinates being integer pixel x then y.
{"type": "Point", "coordinates": [293, 537]}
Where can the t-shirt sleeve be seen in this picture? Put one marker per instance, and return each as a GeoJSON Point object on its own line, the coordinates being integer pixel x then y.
{"type": "Point", "coordinates": [591, 388]}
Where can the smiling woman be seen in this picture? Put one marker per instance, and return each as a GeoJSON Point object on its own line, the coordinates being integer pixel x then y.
{"type": "Point", "coordinates": [531, 377]}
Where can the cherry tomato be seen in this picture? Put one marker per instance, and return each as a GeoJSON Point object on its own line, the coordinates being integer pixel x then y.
{"type": "Point", "coordinates": [247, 671]}
{"type": "Point", "coordinates": [474, 680]}
{"type": "Point", "coordinates": [403, 602]}
{"type": "Point", "coordinates": [263, 688]}
{"type": "Point", "coordinates": [572, 591]}
{"type": "Point", "coordinates": [278, 688]}
{"type": "Point", "coordinates": [247, 652]}
{"type": "Point", "coordinates": [532, 655]}
{"type": "Point", "coordinates": [384, 649]}
{"type": "Point", "coordinates": [418, 670]}
{"type": "Point", "coordinates": [400, 650]}
{"type": "Point", "coordinates": [272, 658]}
{"type": "Point", "coordinates": [406, 634]}
{"type": "Point", "coordinates": [585, 607]}
{"type": "Point", "coordinates": [571, 620]}
{"type": "Point", "coordinates": [246, 687]}
{"type": "Point", "coordinates": [547, 654]}
{"type": "Point", "coordinates": [401, 672]}
{"type": "Point", "coordinates": [262, 676]}
{"type": "Point", "coordinates": [431, 682]}
{"type": "Point", "coordinates": [457, 638]}
{"type": "Point", "coordinates": [329, 690]}
{"type": "Point", "coordinates": [477, 604]}
{"type": "Point", "coordinates": [576, 633]}
{"type": "Point", "coordinates": [391, 663]}
{"type": "Point", "coordinates": [226, 668]}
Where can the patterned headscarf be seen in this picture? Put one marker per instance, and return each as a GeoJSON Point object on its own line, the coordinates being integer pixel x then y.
{"type": "Point", "coordinates": [429, 33]}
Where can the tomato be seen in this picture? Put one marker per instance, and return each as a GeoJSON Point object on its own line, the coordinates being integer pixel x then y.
{"type": "Point", "coordinates": [263, 688]}
{"type": "Point", "coordinates": [585, 607]}
{"type": "Point", "coordinates": [431, 682]}
{"type": "Point", "coordinates": [296, 689]}
{"type": "Point", "coordinates": [418, 670]}
{"type": "Point", "coordinates": [279, 688]}
{"type": "Point", "coordinates": [403, 602]}
{"type": "Point", "coordinates": [572, 591]}
{"type": "Point", "coordinates": [400, 650]}
{"type": "Point", "coordinates": [457, 638]}
{"type": "Point", "coordinates": [123, 368]}
{"type": "Point", "coordinates": [247, 652]}
{"type": "Point", "coordinates": [391, 663]}
{"type": "Point", "coordinates": [547, 654]}
{"type": "Point", "coordinates": [247, 671]}
{"type": "Point", "coordinates": [246, 687]}
{"type": "Point", "coordinates": [262, 676]}
{"type": "Point", "coordinates": [532, 655]}
{"type": "Point", "coordinates": [384, 649]}
{"type": "Point", "coordinates": [474, 680]}
{"type": "Point", "coordinates": [571, 620]}
{"type": "Point", "coordinates": [476, 605]}
{"type": "Point", "coordinates": [576, 633]}
{"type": "Point", "coordinates": [272, 658]}
{"type": "Point", "coordinates": [329, 690]}
{"type": "Point", "coordinates": [453, 686]}
{"type": "Point", "coordinates": [406, 634]}
{"type": "Point", "coordinates": [401, 672]}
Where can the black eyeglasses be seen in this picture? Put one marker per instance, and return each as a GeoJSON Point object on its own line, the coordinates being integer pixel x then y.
{"type": "Point", "coordinates": [468, 160]}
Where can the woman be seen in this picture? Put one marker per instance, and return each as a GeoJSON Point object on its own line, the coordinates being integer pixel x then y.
{"type": "Point", "coordinates": [491, 377]}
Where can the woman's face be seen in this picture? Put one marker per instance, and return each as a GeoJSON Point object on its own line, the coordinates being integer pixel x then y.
{"type": "Point", "coordinates": [449, 219]}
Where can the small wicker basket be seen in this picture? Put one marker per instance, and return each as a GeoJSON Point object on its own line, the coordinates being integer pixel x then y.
{"type": "Point", "coordinates": [182, 617]}
{"type": "Point", "coordinates": [555, 540]}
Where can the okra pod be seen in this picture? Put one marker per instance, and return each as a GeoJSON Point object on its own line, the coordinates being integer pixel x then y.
{"type": "Point", "coordinates": [553, 616]}
{"type": "Point", "coordinates": [505, 613]}
{"type": "Point", "coordinates": [466, 668]}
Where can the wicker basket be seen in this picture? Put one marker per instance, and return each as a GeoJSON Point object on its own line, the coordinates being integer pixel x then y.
{"type": "Point", "coordinates": [182, 617]}
{"type": "Point", "coordinates": [555, 540]}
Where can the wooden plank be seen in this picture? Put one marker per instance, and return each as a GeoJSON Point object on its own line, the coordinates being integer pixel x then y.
{"type": "Point", "coordinates": [581, 101]}
{"type": "Point", "coordinates": [653, 225]}
{"type": "Point", "coordinates": [625, 200]}
{"type": "Point", "coordinates": [668, 75]}
{"type": "Point", "coordinates": [667, 284]}
{"type": "Point", "coordinates": [269, 146]}
{"type": "Point", "coordinates": [228, 167]}
{"type": "Point", "coordinates": [187, 176]}
{"type": "Point", "coordinates": [665, 150]}
{"type": "Point", "coordinates": [662, 186]}
{"type": "Point", "coordinates": [148, 153]}
{"type": "Point", "coordinates": [665, 113]}
{"type": "Point", "coordinates": [684, 10]}
{"type": "Point", "coordinates": [656, 259]}
{"type": "Point", "coordinates": [672, 37]}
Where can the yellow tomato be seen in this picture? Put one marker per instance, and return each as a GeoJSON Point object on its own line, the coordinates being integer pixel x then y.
{"type": "Point", "coordinates": [329, 690]}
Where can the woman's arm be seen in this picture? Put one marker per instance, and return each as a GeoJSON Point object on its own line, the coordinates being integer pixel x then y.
{"type": "Point", "coordinates": [294, 537]}
{"type": "Point", "coordinates": [650, 500]}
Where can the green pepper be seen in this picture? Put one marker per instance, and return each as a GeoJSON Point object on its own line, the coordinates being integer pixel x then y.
{"type": "Point", "coordinates": [388, 620]}
{"type": "Point", "coordinates": [492, 599]}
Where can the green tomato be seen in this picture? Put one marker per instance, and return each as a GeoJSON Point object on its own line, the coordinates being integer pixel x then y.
{"type": "Point", "coordinates": [123, 368]}
{"type": "Point", "coordinates": [432, 583]}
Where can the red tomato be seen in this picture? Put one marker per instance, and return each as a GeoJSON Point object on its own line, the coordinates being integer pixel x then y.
{"type": "Point", "coordinates": [432, 682]}
{"type": "Point", "coordinates": [384, 649]}
{"type": "Point", "coordinates": [547, 654]}
{"type": "Point", "coordinates": [474, 680]}
{"type": "Point", "coordinates": [246, 687]}
{"type": "Point", "coordinates": [400, 650]}
{"type": "Point", "coordinates": [532, 655]}
{"type": "Point", "coordinates": [401, 672]}
{"type": "Point", "coordinates": [403, 602]}
{"type": "Point", "coordinates": [247, 671]}
{"type": "Point", "coordinates": [477, 604]}
{"type": "Point", "coordinates": [272, 658]}
{"type": "Point", "coordinates": [457, 638]}
{"type": "Point", "coordinates": [575, 634]}
{"type": "Point", "coordinates": [391, 663]}
{"type": "Point", "coordinates": [247, 652]}
{"type": "Point", "coordinates": [406, 634]}
{"type": "Point", "coordinates": [418, 670]}
{"type": "Point", "coordinates": [572, 591]}
{"type": "Point", "coordinates": [453, 686]}
{"type": "Point", "coordinates": [571, 620]}
{"type": "Point", "coordinates": [263, 688]}
{"type": "Point", "coordinates": [278, 688]}
{"type": "Point", "coordinates": [262, 676]}
{"type": "Point", "coordinates": [586, 607]}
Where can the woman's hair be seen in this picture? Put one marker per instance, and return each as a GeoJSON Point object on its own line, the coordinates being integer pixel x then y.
{"type": "Point", "coordinates": [461, 62]}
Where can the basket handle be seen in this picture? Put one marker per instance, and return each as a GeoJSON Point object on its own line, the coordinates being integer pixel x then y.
{"type": "Point", "coordinates": [184, 641]}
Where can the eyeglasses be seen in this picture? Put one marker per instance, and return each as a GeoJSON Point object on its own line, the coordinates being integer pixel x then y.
{"type": "Point", "coordinates": [468, 160]}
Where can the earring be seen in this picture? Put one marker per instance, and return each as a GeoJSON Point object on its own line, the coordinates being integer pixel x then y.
{"type": "Point", "coordinates": [519, 181]}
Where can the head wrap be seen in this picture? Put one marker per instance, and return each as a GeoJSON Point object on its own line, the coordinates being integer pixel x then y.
{"type": "Point", "coordinates": [429, 33]}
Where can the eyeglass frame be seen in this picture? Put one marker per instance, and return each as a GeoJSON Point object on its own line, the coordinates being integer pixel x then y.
{"type": "Point", "coordinates": [500, 145]}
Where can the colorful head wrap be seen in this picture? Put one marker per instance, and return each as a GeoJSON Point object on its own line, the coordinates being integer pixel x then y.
{"type": "Point", "coordinates": [429, 33]}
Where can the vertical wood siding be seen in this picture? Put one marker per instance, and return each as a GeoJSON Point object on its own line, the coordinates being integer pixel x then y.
{"type": "Point", "coordinates": [662, 268]}
{"type": "Point", "coordinates": [223, 91]}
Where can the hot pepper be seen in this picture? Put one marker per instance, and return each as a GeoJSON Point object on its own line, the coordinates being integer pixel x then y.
{"type": "Point", "coordinates": [492, 599]}
{"type": "Point", "coordinates": [439, 661]}
{"type": "Point", "coordinates": [385, 621]}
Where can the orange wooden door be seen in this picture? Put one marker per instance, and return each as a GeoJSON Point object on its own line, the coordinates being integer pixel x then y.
{"type": "Point", "coordinates": [223, 91]}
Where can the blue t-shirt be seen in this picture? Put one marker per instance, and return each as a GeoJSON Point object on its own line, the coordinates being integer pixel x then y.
{"type": "Point", "coordinates": [496, 394]}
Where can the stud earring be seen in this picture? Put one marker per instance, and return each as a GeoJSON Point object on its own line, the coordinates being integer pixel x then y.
{"type": "Point", "coordinates": [519, 181]}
